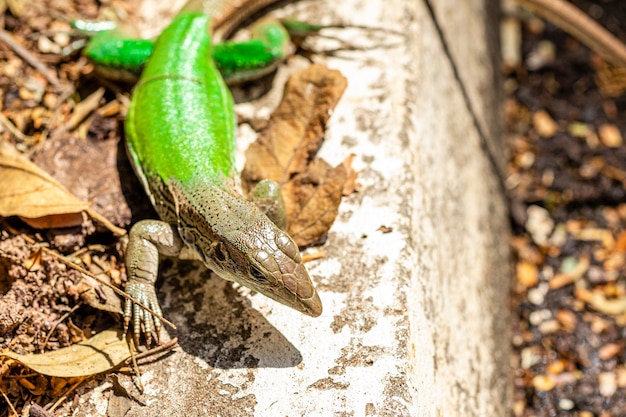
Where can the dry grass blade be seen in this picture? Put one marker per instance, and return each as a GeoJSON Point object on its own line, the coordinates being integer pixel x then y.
{"type": "Point", "coordinates": [572, 20]}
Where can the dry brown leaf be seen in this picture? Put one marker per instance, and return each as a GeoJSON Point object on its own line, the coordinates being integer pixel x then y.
{"type": "Point", "coordinates": [32, 194]}
{"type": "Point", "coordinates": [285, 152]}
{"type": "Point", "coordinates": [101, 353]}
{"type": "Point", "coordinates": [296, 128]}
{"type": "Point", "coordinates": [312, 201]}
{"type": "Point", "coordinates": [99, 296]}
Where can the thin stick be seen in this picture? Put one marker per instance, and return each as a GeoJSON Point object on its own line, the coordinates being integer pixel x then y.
{"type": "Point", "coordinates": [582, 27]}
{"type": "Point", "coordinates": [63, 397]}
{"type": "Point", "coordinates": [30, 58]}
{"type": "Point", "coordinates": [100, 280]}
{"type": "Point", "coordinates": [59, 321]}
{"type": "Point", "coordinates": [8, 402]}
{"type": "Point", "coordinates": [6, 123]}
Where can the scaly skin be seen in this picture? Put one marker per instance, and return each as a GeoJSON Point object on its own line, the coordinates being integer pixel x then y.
{"type": "Point", "coordinates": [180, 133]}
{"type": "Point", "coordinates": [118, 58]}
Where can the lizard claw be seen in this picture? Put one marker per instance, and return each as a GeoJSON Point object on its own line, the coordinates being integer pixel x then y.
{"type": "Point", "coordinates": [143, 322]}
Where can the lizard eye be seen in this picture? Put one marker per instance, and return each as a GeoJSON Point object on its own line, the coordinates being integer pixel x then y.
{"type": "Point", "coordinates": [257, 274]}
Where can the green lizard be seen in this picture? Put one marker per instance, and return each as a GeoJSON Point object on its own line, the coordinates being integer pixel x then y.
{"type": "Point", "coordinates": [180, 133]}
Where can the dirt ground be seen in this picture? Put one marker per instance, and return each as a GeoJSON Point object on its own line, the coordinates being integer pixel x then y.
{"type": "Point", "coordinates": [566, 118]}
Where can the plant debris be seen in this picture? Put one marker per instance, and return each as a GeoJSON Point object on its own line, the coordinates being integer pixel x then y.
{"type": "Point", "coordinates": [567, 175]}
{"type": "Point", "coordinates": [285, 152]}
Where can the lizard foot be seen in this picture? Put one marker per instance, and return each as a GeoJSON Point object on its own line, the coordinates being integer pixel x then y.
{"type": "Point", "coordinates": [143, 322]}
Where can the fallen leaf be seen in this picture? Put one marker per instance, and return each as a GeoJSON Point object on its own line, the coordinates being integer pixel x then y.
{"type": "Point", "coordinates": [98, 296]}
{"type": "Point", "coordinates": [36, 197]}
{"type": "Point", "coordinates": [312, 201]}
{"type": "Point", "coordinates": [350, 186]}
{"type": "Point", "coordinates": [31, 193]}
{"type": "Point", "coordinates": [285, 152]}
{"type": "Point", "coordinates": [101, 353]}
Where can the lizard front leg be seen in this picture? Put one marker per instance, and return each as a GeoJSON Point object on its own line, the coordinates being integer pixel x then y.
{"type": "Point", "coordinates": [147, 239]}
{"type": "Point", "coordinates": [267, 197]}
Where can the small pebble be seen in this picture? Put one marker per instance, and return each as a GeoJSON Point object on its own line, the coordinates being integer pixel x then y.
{"type": "Point", "coordinates": [61, 32]}
{"type": "Point", "coordinates": [537, 317]}
{"type": "Point", "coordinates": [566, 404]}
{"type": "Point", "coordinates": [543, 54]}
{"type": "Point", "coordinates": [46, 46]}
{"type": "Point", "coordinates": [609, 350]}
{"type": "Point", "coordinates": [538, 295]}
{"type": "Point", "coordinates": [539, 224]}
{"type": "Point", "coordinates": [530, 356]}
{"type": "Point", "coordinates": [527, 274]}
{"type": "Point", "coordinates": [610, 135]}
{"type": "Point", "coordinates": [607, 384]}
{"type": "Point", "coordinates": [543, 383]}
{"type": "Point", "coordinates": [579, 129]}
{"type": "Point", "coordinates": [567, 319]}
{"type": "Point", "coordinates": [544, 124]}
{"type": "Point", "coordinates": [556, 367]}
{"type": "Point", "coordinates": [549, 326]}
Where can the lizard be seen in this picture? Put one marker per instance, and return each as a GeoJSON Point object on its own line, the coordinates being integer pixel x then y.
{"type": "Point", "coordinates": [180, 136]}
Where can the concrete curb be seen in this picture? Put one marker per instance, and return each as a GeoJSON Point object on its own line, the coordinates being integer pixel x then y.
{"type": "Point", "coordinates": [415, 320]}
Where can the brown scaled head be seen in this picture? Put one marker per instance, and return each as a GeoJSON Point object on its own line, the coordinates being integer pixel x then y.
{"type": "Point", "coordinates": [276, 269]}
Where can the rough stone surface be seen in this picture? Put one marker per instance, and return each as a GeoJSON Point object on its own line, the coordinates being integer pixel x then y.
{"type": "Point", "coordinates": [415, 320]}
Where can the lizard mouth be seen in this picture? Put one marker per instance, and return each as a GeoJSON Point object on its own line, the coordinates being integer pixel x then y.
{"type": "Point", "coordinates": [312, 306]}
{"type": "Point", "coordinates": [306, 301]}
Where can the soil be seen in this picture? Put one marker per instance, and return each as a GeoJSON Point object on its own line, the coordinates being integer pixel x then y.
{"type": "Point", "coordinates": [566, 119]}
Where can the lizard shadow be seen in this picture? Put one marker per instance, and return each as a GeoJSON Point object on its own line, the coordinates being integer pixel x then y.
{"type": "Point", "coordinates": [216, 323]}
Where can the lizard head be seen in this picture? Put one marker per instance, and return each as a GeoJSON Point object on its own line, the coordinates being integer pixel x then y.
{"type": "Point", "coordinates": [275, 268]}
{"type": "Point", "coordinates": [239, 243]}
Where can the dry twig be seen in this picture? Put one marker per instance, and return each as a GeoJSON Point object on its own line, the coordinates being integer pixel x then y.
{"type": "Point", "coordinates": [582, 27]}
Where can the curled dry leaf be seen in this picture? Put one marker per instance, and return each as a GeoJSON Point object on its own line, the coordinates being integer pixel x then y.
{"type": "Point", "coordinates": [101, 353]}
{"type": "Point", "coordinates": [32, 194]}
{"type": "Point", "coordinates": [285, 152]}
